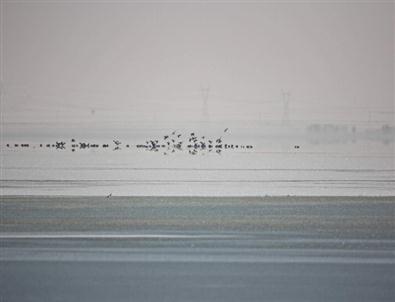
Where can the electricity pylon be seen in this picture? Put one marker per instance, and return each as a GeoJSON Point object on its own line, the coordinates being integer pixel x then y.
{"type": "Point", "coordinates": [286, 99]}
{"type": "Point", "coordinates": [205, 91]}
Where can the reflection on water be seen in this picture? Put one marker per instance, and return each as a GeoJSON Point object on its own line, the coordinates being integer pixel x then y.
{"type": "Point", "coordinates": [278, 163]}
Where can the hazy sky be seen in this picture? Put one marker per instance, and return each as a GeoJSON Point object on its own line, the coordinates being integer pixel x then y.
{"type": "Point", "coordinates": [149, 60]}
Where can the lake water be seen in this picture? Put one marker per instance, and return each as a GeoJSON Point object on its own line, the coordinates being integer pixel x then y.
{"type": "Point", "coordinates": [67, 248]}
{"type": "Point", "coordinates": [273, 167]}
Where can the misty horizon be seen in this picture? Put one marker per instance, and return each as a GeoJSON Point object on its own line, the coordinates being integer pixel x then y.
{"type": "Point", "coordinates": [73, 62]}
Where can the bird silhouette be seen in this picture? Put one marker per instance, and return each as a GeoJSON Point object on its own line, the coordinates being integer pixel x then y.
{"type": "Point", "coordinates": [109, 195]}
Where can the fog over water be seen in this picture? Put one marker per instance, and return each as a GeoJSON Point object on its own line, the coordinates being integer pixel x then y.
{"type": "Point", "coordinates": [309, 85]}
{"type": "Point", "coordinates": [346, 166]}
{"type": "Point", "coordinates": [197, 150]}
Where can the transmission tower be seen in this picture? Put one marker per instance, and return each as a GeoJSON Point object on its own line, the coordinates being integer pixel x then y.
{"type": "Point", "coordinates": [205, 91]}
{"type": "Point", "coordinates": [286, 99]}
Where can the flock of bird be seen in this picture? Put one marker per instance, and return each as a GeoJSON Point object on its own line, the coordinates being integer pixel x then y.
{"type": "Point", "coordinates": [194, 143]}
{"type": "Point", "coordinates": [170, 143]}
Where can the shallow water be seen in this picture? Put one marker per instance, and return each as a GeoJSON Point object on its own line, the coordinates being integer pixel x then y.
{"type": "Point", "coordinates": [273, 167]}
{"type": "Point", "coordinates": [197, 249]}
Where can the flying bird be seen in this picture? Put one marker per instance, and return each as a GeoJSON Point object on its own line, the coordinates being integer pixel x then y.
{"type": "Point", "coordinates": [109, 195]}
{"type": "Point", "coordinates": [226, 129]}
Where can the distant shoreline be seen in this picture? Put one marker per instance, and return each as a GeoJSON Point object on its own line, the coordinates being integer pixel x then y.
{"type": "Point", "coordinates": [203, 196]}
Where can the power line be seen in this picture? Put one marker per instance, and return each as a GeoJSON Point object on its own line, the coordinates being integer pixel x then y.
{"type": "Point", "coordinates": [205, 91]}
{"type": "Point", "coordinates": [286, 99]}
